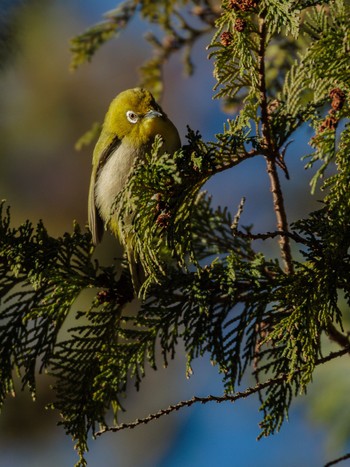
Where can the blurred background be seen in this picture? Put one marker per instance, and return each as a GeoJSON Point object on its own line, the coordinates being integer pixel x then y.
{"type": "Point", "coordinates": [45, 108]}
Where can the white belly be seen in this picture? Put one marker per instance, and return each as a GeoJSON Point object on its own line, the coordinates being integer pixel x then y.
{"type": "Point", "coordinates": [112, 178]}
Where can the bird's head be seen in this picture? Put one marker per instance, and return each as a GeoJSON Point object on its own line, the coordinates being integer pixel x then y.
{"type": "Point", "coordinates": [132, 112]}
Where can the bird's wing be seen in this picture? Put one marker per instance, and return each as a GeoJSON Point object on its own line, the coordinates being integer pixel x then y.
{"type": "Point", "coordinates": [99, 159]}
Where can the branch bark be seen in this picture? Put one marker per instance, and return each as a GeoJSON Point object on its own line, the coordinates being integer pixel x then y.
{"type": "Point", "coordinates": [219, 399]}
{"type": "Point", "coordinates": [271, 154]}
{"type": "Point", "coordinates": [336, 461]}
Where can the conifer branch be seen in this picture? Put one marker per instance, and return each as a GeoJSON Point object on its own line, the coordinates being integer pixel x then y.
{"type": "Point", "coordinates": [207, 286]}
{"type": "Point", "coordinates": [272, 155]}
{"type": "Point", "coordinates": [258, 388]}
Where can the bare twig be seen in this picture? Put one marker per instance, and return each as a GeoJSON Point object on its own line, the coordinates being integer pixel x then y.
{"type": "Point", "coordinates": [265, 236]}
{"type": "Point", "coordinates": [187, 403]}
{"type": "Point", "coordinates": [273, 158]}
{"type": "Point", "coordinates": [320, 361]}
{"type": "Point", "coordinates": [336, 461]}
{"type": "Point", "coordinates": [219, 399]}
{"type": "Point", "coordinates": [281, 216]}
{"type": "Point", "coordinates": [272, 155]}
{"type": "Point", "coordinates": [234, 225]}
{"type": "Point", "coordinates": [337, 336]}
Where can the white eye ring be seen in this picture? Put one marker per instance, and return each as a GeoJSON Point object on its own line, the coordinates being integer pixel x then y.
{"type": "Point", "coordinates": [132, 116]}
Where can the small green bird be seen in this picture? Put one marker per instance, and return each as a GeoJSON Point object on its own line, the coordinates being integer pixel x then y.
{"type": "Point", "coordinates": [133, 120]}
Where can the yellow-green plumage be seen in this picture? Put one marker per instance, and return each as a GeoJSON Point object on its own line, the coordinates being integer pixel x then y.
{"type": "Point", "coordinates": [130, 126]}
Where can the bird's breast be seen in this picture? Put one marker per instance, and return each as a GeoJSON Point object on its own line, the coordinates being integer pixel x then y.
{"type": "Point", "coordinates": [112, 178]}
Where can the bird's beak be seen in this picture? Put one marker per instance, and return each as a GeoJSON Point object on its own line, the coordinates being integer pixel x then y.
{"type": "Point", "coordinates": [153, 113]}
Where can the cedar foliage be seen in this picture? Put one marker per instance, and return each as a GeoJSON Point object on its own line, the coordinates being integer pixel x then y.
{"type": "Point", "coordinates": [207, 285]}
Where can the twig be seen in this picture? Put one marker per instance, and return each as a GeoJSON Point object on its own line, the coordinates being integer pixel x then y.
{"type": "Point", "coordinates": [272, 158]}
{"type": "Point", "coordinates": [337, 336]}
{"type": "Point", "coordinates": [332, 356]}
{"type": "Point", "coordinates": [264, 236]}
{"type": "Point", "coordinates": [320, 361]}
{"type": "Point", "coordinates": [281, 216]}
{"type": "Point", "coordinates": [340, 459]}
{"type": "Point", "coordinates": [187, 403]}
{"type": "Point", "coordinates": [219, 399]}
{"type": "Point", "coordinates": [234, 225]}
{"type": "Point", "coordinates": [272, 155]}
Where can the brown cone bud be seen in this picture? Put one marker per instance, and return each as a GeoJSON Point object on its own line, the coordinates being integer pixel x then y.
{"type": "Point", "coordinates": [163, 219]}
{"type": "Point", "coordinates": [329, 123]}
{"type": "Point", "coordinates": [240, 24]}
{"type": "Point", "coordinates": [226, 38]}
{"type": "Point", "coordinates": [338, 98]}
{"type": "Point", "coordinates": [243, 5]}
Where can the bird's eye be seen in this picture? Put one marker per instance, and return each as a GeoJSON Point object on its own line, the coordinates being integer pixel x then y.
{"type": "Point", "coordinates": [131, 116]}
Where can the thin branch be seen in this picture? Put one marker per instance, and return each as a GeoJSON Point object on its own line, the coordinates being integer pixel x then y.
{"type": "Point", "coordinates": [337, 336]}
{"type": "Point", "coordinates": [265, 236]}
{"type": "Point", "coordinates": [332, 356]}
{"type": "Point", "coordinates": [336, 461]}
{"type": "Point", "coordinates": [272, 155]}
{"type": "Point", "coordinates": [187, 403]}
{"type": "Point", "coordinates": [320, 361]}
{"type": "Point", "coordinates": [219, 399]}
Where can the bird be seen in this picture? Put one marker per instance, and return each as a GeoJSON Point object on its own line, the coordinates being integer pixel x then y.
{"type": "Point", "coordinates": [133, 120]}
